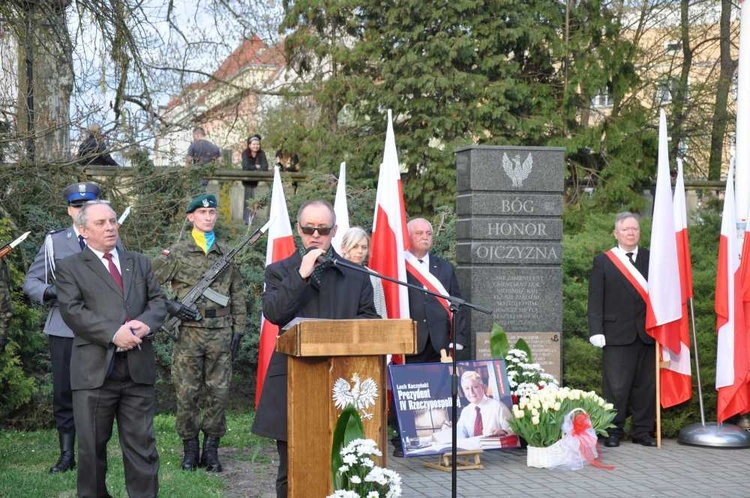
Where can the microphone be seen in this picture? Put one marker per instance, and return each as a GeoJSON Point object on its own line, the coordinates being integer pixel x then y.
{"type": "Point", "coordinates": [324, 260]}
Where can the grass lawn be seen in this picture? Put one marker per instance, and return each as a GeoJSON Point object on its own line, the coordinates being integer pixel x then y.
{"type": "Point", "coordinates": [25, 459]}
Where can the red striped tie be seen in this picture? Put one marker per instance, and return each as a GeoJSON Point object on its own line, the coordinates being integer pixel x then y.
{"type": "Point", "coordinates": [478, 425]}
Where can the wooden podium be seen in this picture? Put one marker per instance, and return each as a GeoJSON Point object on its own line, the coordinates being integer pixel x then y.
{"type": "Point", "coordinates": [321, 352]}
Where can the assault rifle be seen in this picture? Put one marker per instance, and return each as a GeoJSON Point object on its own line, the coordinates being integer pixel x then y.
{"type": "Point", "coordinates": [172, 325]}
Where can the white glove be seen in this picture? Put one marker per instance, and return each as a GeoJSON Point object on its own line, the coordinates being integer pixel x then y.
{"type": "Point", "coordinates": [459, 347]}
{"type": "Point", "coordinates": [598, 340]}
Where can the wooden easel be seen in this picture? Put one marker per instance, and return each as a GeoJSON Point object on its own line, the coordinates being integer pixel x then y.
{"type": "Point", "coordinates": [472, 462]}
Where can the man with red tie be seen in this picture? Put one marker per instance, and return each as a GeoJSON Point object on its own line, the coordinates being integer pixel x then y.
{"type": "Point", "coordinates": [483, 416]}
{"type": "Point", "coordinates": [112, 302]}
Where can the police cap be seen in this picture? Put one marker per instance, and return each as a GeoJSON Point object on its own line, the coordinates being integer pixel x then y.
{"type": "Point", "coordinates": [202, 201]}
{"type": "Point", "coordinates": [78, 194]}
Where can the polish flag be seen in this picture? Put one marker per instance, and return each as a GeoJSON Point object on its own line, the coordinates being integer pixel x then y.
{"type": "Point", "coordinates": [280, 246]}
{"type": "Point", "coordinates": [341, 208]}
{"type": "Point", "coordinates": [676, 386]}
{"type": "Point", "coordinates": [664, 313]}
{"type": "Point", "coordinates": [732, 370]}
{"type": "Point", "coordinates": [389, 233]}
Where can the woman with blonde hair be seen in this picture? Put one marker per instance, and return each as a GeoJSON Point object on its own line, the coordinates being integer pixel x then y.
{"type": "Point", "coordinates": [355, 246]}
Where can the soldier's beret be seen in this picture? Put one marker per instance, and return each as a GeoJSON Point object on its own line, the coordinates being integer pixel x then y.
{"type": "Point", "coordinates": [79, 193]}
{"type": "Point", "coordinates": [202, 201]}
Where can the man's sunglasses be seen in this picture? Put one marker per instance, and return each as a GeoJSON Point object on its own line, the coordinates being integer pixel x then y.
{"type": "Point", "coordinates": [311, 230]}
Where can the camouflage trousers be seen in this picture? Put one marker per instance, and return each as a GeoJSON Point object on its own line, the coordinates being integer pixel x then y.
{"type": "Point", "coordinates": [201, 374]}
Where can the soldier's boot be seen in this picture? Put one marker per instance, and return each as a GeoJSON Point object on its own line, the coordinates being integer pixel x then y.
{"type": "Point", "coordinates": [211, 454]}
{"type": "Point", "coordinates": [190, 460]}
{"type": "Point", "coordinates": [202, 462]}
{"type": "Point", "coordinates": [67, 460]}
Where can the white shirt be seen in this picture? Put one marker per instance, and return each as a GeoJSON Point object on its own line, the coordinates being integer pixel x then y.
{"type": "Point", "coordinates": [115, 259]}
{"type": "Point", "coordinates": [495, 415]}
{"type": "Point", "coordinates": [634, 252]}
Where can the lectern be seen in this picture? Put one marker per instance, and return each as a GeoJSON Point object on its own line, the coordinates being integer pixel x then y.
{"type": "Point", "coordinates": [320, 353]}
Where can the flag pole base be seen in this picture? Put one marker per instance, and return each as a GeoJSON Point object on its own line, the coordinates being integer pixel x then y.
{"type": "Point", "coordinates": [714, 435]}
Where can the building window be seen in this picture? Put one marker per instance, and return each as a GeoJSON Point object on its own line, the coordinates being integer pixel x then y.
{"type": "Point", "coordinates": [665, 90]}
{"type": "Point", "coordinates": [602, 99]}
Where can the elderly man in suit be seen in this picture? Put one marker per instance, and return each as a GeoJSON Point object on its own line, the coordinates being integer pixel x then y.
{"type": "Point", "coordinates": [112, 301]}
{"type": "Point", "coordinates": [300, 286]}
{"type": "Point", "coordinates": [617, 323]}
{"type": "Point", "coordinates": [39, 285]}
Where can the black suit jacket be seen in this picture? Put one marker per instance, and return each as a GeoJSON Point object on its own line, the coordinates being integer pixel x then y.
{"type": "Point", "coordinates": [432, 319]}
{"type": "Point", "coordinates": [94, 307]}
{"type": "Point", "coordinates": [344, 293]}
{"type": "Point", "coordinates": [615, 308]}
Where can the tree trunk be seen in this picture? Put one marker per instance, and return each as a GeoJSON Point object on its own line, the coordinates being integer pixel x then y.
{"type": "Point", "coordinates": [681, 92]}
{"type": "Point", "coordinates": [720, 117]}
{"type": "Point", "coordinates": [45, 60]}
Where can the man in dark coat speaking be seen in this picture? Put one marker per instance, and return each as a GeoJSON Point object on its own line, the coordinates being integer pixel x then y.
{"type": "Point", "coordinates": [300, 286]}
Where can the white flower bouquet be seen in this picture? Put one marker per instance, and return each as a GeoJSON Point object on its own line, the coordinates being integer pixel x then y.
{"type": "Point", "coordinates": [359, 477]}
{"type": "Point", "coordinates": [525, 378]}
{"type": "Point", "coordinates": [538, 417]}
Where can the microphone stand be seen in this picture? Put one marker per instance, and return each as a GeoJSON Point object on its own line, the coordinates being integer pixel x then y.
{"type": "Point", "coordinates": [454, 304]}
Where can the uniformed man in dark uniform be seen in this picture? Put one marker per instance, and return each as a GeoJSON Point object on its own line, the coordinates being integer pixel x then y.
{"type": "Point", "coordinates": [39, 285]}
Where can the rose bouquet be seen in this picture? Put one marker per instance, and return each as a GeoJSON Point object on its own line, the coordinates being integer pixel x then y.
{"type": "Point", "coordinates": [538, 418]}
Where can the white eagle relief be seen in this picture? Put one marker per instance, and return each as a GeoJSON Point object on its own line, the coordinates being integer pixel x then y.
{"type": "Point", "coordinates": [361, 394]}
{"type": "Point", "coordinates": [516, 171]}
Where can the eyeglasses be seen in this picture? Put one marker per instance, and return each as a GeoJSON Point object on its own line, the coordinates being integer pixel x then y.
{"type": "Point", "coordinates": [311, 230]}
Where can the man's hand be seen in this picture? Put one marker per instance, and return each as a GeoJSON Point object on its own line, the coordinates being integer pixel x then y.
{"type": "Point", "coordinates": [50, 294]}
{"type": "Point", "coordinates": [236, 338]}
{"type": "Point", "coordinates": [139, 328]}
{"type": "Point", "coordinates": [125, 338]}
{"type": "Point", "coordinates": [498, 433]}
{"type": "Point", "coordinates": [598, 340]}
{"type": "Point", "coordinates": [309, 262]}
{"type": "Point", "coordinates": [184, 313]}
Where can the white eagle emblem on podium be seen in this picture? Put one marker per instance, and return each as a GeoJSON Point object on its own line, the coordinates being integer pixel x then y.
{"type": "Point", "coordinates": [516, 171]}
{"type": "Point", "coordinates": [361, 394]}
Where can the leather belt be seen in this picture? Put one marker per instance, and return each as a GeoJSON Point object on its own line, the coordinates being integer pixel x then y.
{"type": "Point", "coordinates": [216, 312]}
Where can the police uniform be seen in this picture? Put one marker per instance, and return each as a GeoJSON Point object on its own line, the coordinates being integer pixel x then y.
{"type": "Point", "coordinates": [39, 286]}
{"type": "Point", "coordinates": [201, 356]}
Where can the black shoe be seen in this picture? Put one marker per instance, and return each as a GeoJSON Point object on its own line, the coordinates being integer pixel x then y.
{"type": "Point", "coordinates": [190, 460]}
{"type": "Point", "coordinates": [398, 452]}
{"type": "Point", "coordinates": [67, 460]}
{"type": "Point", "coordinates": [645, 440]}
{"type": "Point", "coordinates": [211, 454]}
{"type": "Point", "coordinates": [612, 442]}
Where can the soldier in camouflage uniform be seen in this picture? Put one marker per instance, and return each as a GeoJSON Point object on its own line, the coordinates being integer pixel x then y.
{"type": "Point", "coordinates": [203, 353]}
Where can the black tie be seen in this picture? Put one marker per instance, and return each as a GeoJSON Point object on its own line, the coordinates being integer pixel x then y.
{"type": "Point", "coordinates": [82, 242]}
{"type": "Point", "coordinates": [630, 257]}
{"type": "Point", "coordinates": [421, 261]}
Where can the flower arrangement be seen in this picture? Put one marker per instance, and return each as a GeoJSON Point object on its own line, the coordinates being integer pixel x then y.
{"type": "Point", "coordinates": [525, 378]}
{"type": "Point", "coordinates": [538, 418]}
{"type": "Point", "coordinates": [360, 477]}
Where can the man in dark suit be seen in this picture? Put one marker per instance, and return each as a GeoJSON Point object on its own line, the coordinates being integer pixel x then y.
{"type": "Point", "coordinates": [431, 314]}
{"type": "Point", "coordinates": [112, 302]}
{"type": "Point", "coordinates": [39, 285]}
{"type": "Point", "coordinates": [617, 323]}
{"type": "Point", "coordinates": [299, 286]}
{"type": "Point", "coordinates": [433, 320]}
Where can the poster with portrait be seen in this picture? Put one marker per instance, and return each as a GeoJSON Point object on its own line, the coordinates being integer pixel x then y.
{"type": "Point", "coordinates": [422, 400]}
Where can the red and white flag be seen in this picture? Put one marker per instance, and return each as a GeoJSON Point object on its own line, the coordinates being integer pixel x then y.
{"type": "Point", "coordinates": [280, 246]}
{"type": "Point", "coordinates": [341, 209]}
{"type": "Point", "coordinates": [665, 310]}
{"type": "Point", "coordinates": [389, 233]}
{"type": "Point", "coordinates": [732, 369]}
{"type": "Point", "coordinates": [676, 381]}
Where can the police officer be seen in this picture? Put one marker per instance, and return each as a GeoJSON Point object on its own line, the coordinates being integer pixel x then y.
{"type": "Point", "coordinates": [202, 355]}
{"type": "Point", "coordinates": [39, 286]}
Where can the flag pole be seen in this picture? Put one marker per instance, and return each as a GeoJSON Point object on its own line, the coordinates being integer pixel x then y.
{"type": "Point", "coordinates": [658, 394]}
{"type": "Point", "coordinates": [697, 364]}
